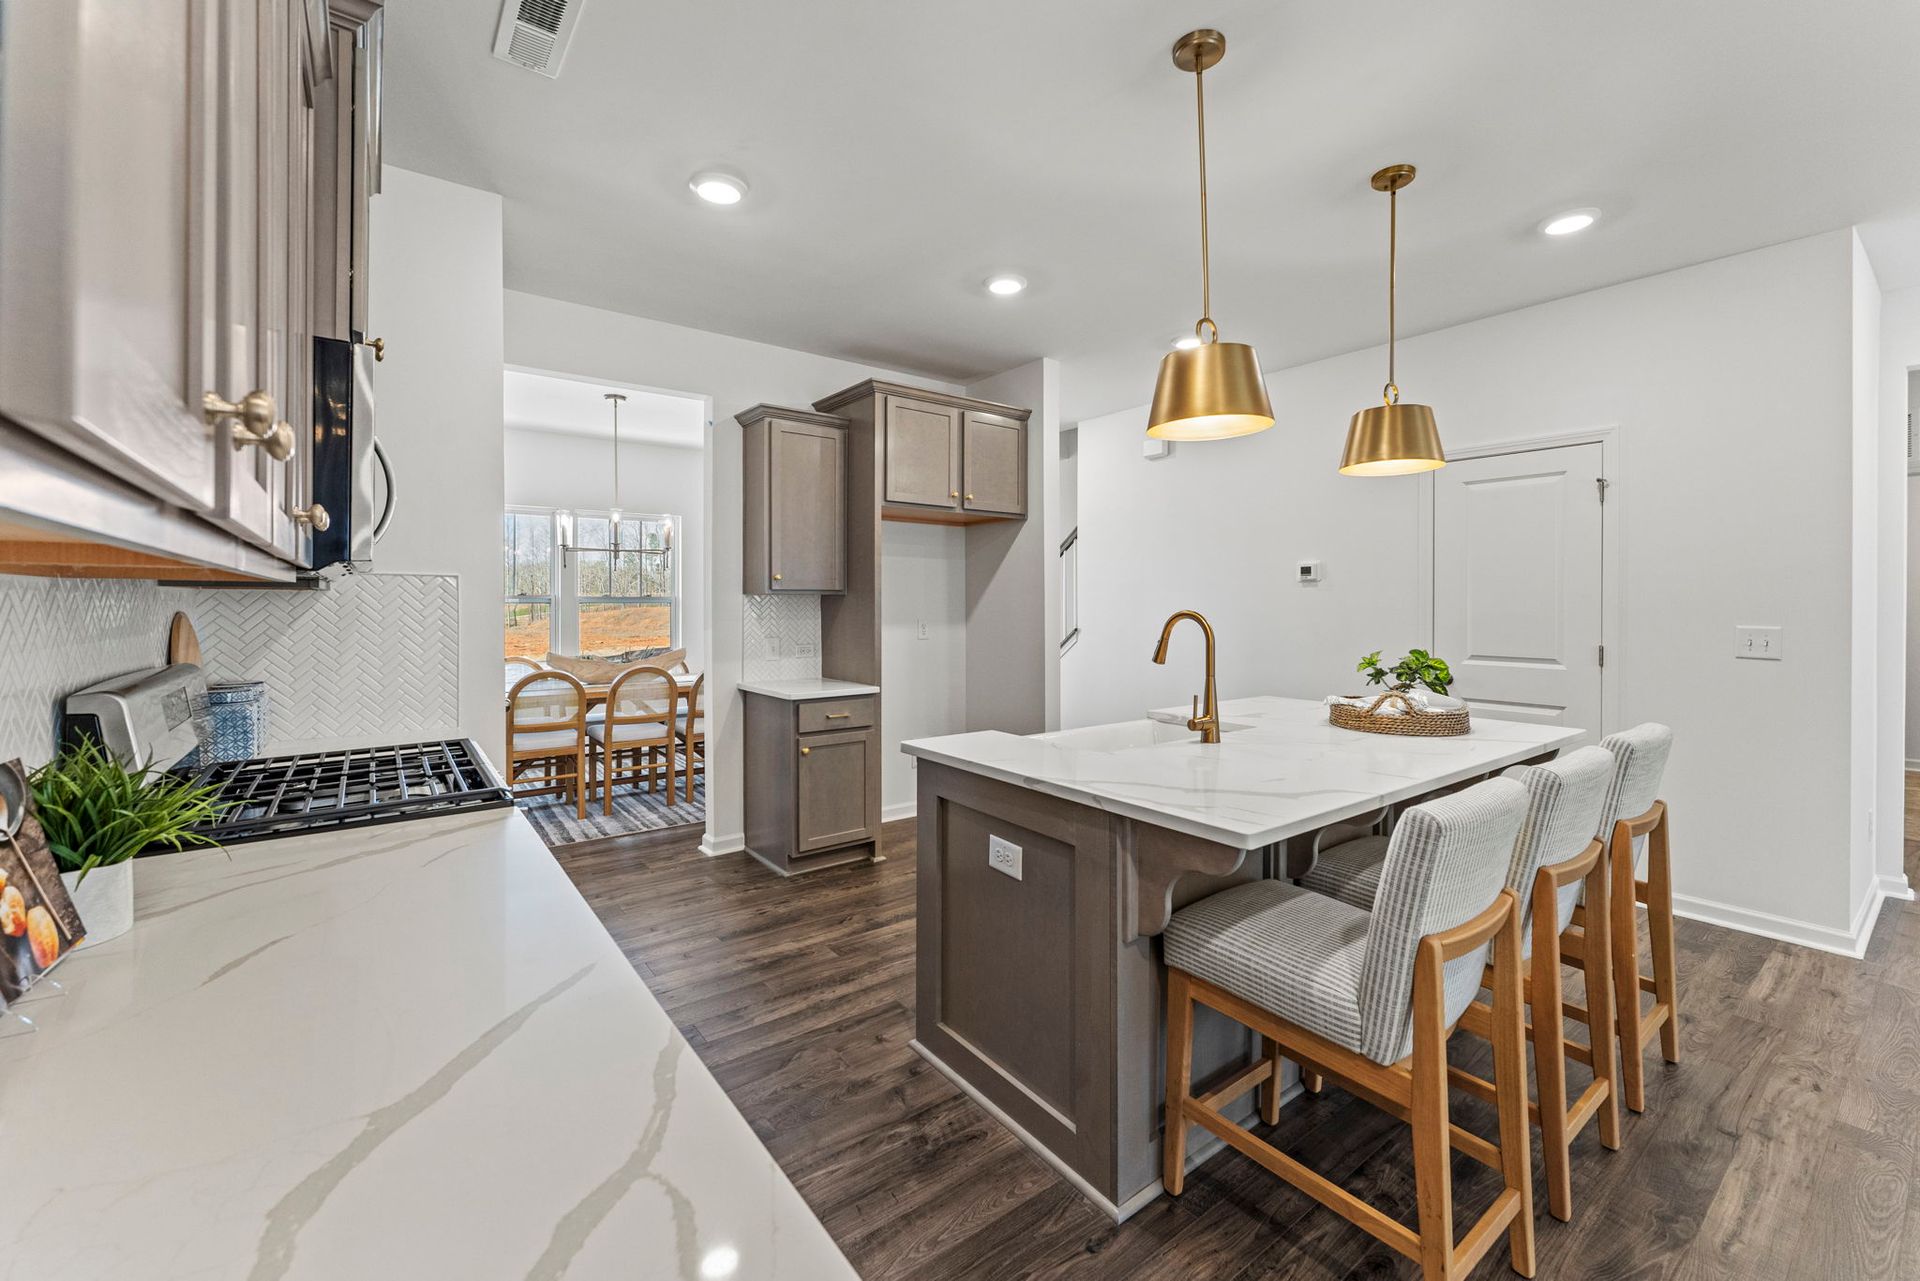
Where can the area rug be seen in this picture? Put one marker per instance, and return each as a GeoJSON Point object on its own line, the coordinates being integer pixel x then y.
{"type": "Point", "coordinates": [634, 810]}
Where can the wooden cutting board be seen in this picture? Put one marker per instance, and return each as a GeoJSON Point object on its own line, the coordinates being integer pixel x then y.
{"type": "Point", "coordinates": [183, 643]}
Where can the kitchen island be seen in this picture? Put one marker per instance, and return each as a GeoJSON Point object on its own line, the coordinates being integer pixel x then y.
{"type": "Point", "coordinates": [1048, 864]}
{"type": "Point", "coordinates": [401, 1051]}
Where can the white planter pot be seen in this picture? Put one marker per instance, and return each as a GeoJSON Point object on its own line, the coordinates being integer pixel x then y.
{"type": "Point", "coordinates": [104, 900]}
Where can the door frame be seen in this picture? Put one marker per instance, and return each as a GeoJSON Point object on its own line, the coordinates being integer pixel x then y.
{"type": "Point", "coordinates": [1613, 557]}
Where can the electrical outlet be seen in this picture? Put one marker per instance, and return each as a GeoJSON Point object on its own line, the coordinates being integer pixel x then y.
{"type": "Point", "coordinates": [923, 629]}
{"type": "Point", "coordinates": [1759, 642]}
{"type": "Point", "coordinates": [1003, 856]}
{"type": "Point", "coordinates": [803, 649]}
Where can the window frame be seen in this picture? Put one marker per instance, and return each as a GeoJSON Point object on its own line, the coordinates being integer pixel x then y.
{"type": "Point", "coordinates": [564, 598]}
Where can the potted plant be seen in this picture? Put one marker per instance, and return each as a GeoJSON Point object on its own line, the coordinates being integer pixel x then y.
{"type": "Point", "coordinates": [98, 814]}
{"type": "Point", "coordinates": [1417, 668]}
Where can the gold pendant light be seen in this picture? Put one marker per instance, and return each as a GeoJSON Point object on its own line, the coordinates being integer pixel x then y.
{"type": "Point", "coordinates": [1392, 439]}
{"type": "Point", "coordinates": [1213, 391]}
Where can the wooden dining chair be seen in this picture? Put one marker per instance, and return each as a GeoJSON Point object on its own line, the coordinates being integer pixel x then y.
{"type": "Point", "coordinates": [692, 734]}
{"type": "Point", "coordinates": [1554, 859]}
{"type": "Point", "coordinates": [547, 737]}
{"type": "Point", "coordinates": [1368, 998]}
{"type": "Point", "coordinates": [517, 668]}
{"type": "Point", "coordinates": [1634, 827]}
{"type": "Point", "coordinates": [634, 739]}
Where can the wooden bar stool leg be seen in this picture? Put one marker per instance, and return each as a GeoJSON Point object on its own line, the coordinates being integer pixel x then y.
{"type": "Point", "coordinates": [1660, 936]}
{"type": "Point", "coordinates": [1173, 1140]}
{"type": "Point", "coordinates": [1432, 1168]}
{"type": "Point", "coordinates": [1270, 1088]}
{"type": "Point", "coordinates": [1311, 1081]}
{"type": "Point", "coordinates": [1597, 965]}
{"type": "Point", "coordinates": [1510, 1084]}
{"type": "Point", "coordinates": [1626, 968]}
{"type": "Point", "coordinates": [580, 782]}
{"type": "Point", "coordinates": [608, 757]}
{"type": "Point", "coordinates": [1550, 1048]}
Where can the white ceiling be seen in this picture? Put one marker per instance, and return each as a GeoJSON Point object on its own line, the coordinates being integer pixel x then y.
{"type": "Point", "coordinates": [544, 402]}
{"type": "Point", "coordinates": [901, 152]}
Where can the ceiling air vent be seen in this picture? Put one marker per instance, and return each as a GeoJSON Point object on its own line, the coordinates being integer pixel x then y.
{"type": "Point", "coordinates": [534, 33]}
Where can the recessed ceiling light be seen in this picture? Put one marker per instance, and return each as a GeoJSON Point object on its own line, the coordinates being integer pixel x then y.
{"type": "Point", "coordinates": [717, 188]}
{"type": "Point", "coordinates": [1006, 286]}
{"type": "Point", "coordinates": [1569, 222]}
{"type": "Point", "coordinates": [1186, 342]}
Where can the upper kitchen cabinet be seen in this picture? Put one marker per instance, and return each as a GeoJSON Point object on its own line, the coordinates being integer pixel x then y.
{"type": "Point", "coordinates": [172, 239]}
{"type": "Point", "coordinates": [942, 459]}
{"type": "Point", "coordinates": [795, 503]}
{"type": "Point", "coordinates": [109, 249]}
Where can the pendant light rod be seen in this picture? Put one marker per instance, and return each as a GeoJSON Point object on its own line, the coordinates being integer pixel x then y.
{"type": "Point", "coordinates": [1390, 180]}
{"type": "Point", "coordinates": [1206, 264]}
{"type": "Point", "coordinates": [613, 532]}
{"type": "Point", "coordinates": [1391, 438]}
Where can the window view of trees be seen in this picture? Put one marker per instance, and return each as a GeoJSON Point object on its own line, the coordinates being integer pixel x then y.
{"type": "Point", "coordinates": [616, 605]}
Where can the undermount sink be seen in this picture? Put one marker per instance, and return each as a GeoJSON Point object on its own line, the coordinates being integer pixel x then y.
{"type": "Point", "coordinates": [1129, 735]}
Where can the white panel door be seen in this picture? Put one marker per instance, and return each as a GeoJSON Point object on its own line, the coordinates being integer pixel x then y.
{"type": "Point", "coordinates": [1517, 576]}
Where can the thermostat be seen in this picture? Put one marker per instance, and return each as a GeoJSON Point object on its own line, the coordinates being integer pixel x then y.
{"type": "Point", "coordinates": [1309, 571]}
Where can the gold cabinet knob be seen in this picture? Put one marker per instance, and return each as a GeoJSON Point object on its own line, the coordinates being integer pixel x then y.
{"type": "Point", "coordinates": [776, 578]}
{"type": "Point", "coordinates": [806, 751]}
{"type": "Point", "coordinates": [314, 515]}
{"type": "Point", "coordinates": [252, 418]}
{"type": "Point", "coordinates": [953, 493]}
{"type": "Point", "coordinates": [969, 497]}
{"type": "Point", "coordinates": [379, 346]}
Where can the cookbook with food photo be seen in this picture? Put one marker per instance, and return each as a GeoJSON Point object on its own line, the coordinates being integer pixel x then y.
{"type": "Point", "coordinates": [38, 923]}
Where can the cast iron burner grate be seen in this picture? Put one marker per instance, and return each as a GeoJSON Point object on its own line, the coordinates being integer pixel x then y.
{"type": "Point", "coordinates": [318, 791]}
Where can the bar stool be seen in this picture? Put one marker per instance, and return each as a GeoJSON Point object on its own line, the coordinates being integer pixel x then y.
{"type": "Point", "coordinates": [1634, 826]}
{"type": "Point", "coordinates": [634, 739]}
{"type": "Point", "coordinates": [1368, 998]}
{"type": "Point", "coordinates": [1555, 858]}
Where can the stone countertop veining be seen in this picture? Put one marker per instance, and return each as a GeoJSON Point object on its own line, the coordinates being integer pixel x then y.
{"type": "Point", "coordinates": [1279, 770]}
{"type": "Point", "coordinates": [401, 1051]}
{"type": "Point", "coordinates": [802, 691]}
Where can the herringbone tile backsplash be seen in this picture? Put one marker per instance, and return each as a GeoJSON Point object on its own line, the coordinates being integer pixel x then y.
{"type": "Point", "coordinates": [375, 658]}
{"type": "Point", "coordinates": [780, 638]}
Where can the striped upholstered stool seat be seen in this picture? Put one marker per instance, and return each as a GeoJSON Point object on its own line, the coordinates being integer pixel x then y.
{"type": "Point", "coordinates": [1283, 948]}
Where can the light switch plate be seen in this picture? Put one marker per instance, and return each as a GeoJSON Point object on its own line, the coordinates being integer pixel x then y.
{"type": "Point", "coordinates": [1003, 856]}
{"type": "Point", "coordinates": [1759, 642]}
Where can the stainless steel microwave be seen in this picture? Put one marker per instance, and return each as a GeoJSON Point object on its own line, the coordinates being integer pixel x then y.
{"type": "Point", "coordinates": [351, 476]}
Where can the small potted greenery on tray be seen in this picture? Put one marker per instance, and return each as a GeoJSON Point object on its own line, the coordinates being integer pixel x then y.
{"type": "Point", "coordinates": [1417, 668]}
{"type": "Point", "coordinates": [98, 814]}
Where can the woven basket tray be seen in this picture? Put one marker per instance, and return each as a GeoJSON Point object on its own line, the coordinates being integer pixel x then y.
{"type": "Point", "coordinates": [1412, 722]}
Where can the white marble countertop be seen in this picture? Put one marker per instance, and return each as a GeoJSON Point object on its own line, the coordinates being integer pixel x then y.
{"type": "Point", "coordinates": [802, 691]}
{"type": "Point", "coordinates": [406, 1051]}
{"type": "Point", "coordinates": [1279, 770]}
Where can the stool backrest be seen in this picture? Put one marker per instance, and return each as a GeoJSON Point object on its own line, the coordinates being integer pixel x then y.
{"type": "Point", "coordinates": [1446, 863]}
{"type": "Point", "coordinates": [1639, 762]}
{"type": "Point", "coordinates": [1564, 801]}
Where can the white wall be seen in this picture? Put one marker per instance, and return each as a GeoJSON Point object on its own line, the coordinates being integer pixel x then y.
{"type": "Point", "coordinates": [1013, 586]}
{"type": "Point", "coordinates": [923, 581]}
{"type": "Point", "coordinates": [1864, 673]}
{"type": "Point", "coordinates": [1730, 387]}
{"type": "Point", "coordinates": [435, 297]}
{"type": "Point", "coordinates": [732, 374]}
{"type": "Point", "coordinates": [559, 469]}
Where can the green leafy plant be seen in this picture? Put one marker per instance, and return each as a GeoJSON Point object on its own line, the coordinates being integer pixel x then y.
{"type": "Point", "coordinates": [1417, 668]}
{"type": "Point", "coordinates": [97, 812]}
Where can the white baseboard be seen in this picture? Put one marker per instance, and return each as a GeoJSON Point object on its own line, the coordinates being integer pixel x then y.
{"type": "Point", "coordinates": [905, 809]}
{"type": "Point", "coordinates": [1894, 885]}
{"type": "Point", "coordinates": [1913, 764]}
{"type": "Point", "coordinates": [712, 845]}
{"type": "Point", "coordinates": [1849, 942]}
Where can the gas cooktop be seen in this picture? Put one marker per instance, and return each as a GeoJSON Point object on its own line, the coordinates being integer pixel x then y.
{"type": "Point", "coordinates": [319, 791]}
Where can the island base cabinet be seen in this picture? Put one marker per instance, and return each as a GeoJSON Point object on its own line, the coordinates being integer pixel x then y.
{"type": "Point", "coordinates": [813, 782]}
{"type": "Point", "coordinates": [1038, 990]}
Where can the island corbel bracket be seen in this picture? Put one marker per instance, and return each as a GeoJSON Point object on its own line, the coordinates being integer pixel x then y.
{"type": "Point", "coordinates": [1152, 860]}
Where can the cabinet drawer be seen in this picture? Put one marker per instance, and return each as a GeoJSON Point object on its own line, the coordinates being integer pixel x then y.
{"type": "Point", "coordinates": [836, 713]}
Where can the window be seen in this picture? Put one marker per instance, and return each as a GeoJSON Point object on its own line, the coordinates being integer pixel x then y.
{"type": "Point", "coordinates": [571, 587]}
{"type": "Point", "coordinates": [529, 600]}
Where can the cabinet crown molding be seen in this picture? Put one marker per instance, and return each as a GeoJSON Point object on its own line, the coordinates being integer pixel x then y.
{"type": "Point", "coordinates": [877, 387]}
{"type": "Point", "coordinates": [762, 412]}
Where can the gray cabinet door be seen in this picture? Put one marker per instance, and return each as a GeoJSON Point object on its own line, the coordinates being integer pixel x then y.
{"type": "Point", "coordinates": [806, 525]}
{"type": "Point", "coordinates": [922, 443]}
{"type": "Point", "coordinates": [996, 465]}
{"type": "Point", "coordinates": [834, 773]}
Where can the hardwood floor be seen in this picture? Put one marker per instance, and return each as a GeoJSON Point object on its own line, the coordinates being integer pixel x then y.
{"type": "Point", "coordinates": [1784, 1147]}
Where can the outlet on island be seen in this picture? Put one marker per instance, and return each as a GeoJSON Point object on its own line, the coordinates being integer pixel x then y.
{"type": "Point", "coordinates": [1003, 856]}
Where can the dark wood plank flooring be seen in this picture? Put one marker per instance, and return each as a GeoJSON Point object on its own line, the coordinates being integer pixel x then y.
{"type": "Point", "coordinates": [1785, 1147]}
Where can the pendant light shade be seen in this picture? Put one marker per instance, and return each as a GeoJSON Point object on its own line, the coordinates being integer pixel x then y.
{"type": "Point", "coordinates": [1213, 391]}
{"type": "Point", "coordinates": [1392, 439]}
